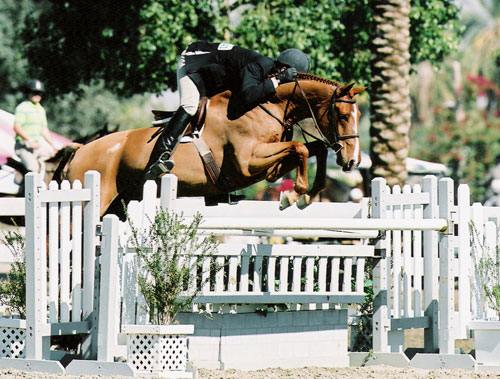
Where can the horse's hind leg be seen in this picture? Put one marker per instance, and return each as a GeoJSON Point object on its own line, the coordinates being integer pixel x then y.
{"type": "Point", "coordinates": [110, 198]}
{"type": "Point", "coordinates": [116, 206]}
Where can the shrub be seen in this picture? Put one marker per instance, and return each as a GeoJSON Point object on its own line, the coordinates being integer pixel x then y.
{"type": "Point", "coordinates": [13, 289]}
{"type": "Point", "coordinates": [487, 267]}
{"type": "Point", "coordinates": [468, 148]}
{"type": "Point", "coordinates": [169, 250]}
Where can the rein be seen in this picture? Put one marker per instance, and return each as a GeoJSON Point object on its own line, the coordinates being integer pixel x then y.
{"type": "Point", "coordinates": [336, 146]}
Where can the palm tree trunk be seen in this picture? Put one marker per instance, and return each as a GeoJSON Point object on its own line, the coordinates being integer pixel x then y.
{"type": "Point", "coordinates": [390, 90]}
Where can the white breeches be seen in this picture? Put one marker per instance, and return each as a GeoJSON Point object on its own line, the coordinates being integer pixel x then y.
{"type": "Point", "coordinates": [189, 94]}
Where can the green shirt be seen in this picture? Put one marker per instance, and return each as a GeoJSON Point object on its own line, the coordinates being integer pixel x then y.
{"type": "Point", "coordinates": [31, 117]}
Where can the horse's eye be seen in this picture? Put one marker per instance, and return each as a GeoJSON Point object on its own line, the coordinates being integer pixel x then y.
{"type": "Point", "coordinates": [344, 117]}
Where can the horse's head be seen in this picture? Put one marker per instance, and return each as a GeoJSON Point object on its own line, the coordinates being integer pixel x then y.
{"type": "Point", "coordinates": [334, 111]}
{"type": "Point", "coordinates": [341, 126]}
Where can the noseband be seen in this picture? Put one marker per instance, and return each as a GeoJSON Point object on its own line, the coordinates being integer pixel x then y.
{"type": "Point", "coordinates": [336, 146]}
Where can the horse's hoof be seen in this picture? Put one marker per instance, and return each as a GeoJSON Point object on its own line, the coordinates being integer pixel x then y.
{"type": "Point", "coordinates": [284, 200]}
{"type": "Point", "coordinates": [288, 198]}
{"type": "Point", "coordinates": [304, 201]}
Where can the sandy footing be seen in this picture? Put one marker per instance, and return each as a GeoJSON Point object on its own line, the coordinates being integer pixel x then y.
{"type": "Point", "coordinates": [374, 372]}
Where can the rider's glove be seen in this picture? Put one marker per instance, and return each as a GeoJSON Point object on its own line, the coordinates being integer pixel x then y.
{"type": "Point", "coordinates": [288, 75]}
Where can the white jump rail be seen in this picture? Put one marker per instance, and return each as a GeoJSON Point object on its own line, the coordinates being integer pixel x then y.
{"type": "Point", "coordinates": [324, 224]}
{"type": "Point", "coordinates": [12, 206]}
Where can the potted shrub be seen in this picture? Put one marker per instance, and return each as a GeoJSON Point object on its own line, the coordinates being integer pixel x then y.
{"type": "Point", "coordinates": [169, 251]}
{"type": "Point", "coordinates": [487, 331]}
{"type": "Point", "coordinates": [13, 298]}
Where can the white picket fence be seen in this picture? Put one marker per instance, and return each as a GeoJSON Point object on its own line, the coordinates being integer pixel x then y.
{"type": "Point", "coordinates": [429, 279]}
{"type": "Point", "coordinates": [60, 260]}
{"type": "Point", "coordinates": [424, 275]}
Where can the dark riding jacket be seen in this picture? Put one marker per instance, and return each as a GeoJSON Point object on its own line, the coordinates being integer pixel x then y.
{"type": "Point", "coordinates": [217, 67]}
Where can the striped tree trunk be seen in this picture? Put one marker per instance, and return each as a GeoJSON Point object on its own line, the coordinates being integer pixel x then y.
{"type": "Point", "coordinates": [390, 90]}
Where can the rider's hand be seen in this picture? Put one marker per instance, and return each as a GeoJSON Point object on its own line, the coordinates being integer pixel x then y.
{"type": "Point", "coordinates": [32, 145]}
{"type": "Point", "coordinates": [288, 75]}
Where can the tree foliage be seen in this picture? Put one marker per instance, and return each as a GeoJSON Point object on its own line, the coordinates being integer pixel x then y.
{"type": "Point", "coordinates": [434, 30]}
{"type": "Point", "coordinates": [469, 148]}
{"type": "Point", "coordinates": [79, 115]}
{"type": "Point", "coordinates": [133, 45]}
{"type": "Point", "coordinates": [12, 61]}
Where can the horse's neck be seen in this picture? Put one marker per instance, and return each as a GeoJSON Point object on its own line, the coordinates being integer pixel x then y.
{"type": "Point", "coordinates": [294, 101]}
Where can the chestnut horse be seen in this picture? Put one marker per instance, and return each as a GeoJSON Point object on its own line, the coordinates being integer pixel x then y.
{"type": "Point", "coordinates": [251, 148]}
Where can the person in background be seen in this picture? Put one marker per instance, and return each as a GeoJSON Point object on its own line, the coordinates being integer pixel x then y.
{"type": "Point", "coordinates": [33, 139]}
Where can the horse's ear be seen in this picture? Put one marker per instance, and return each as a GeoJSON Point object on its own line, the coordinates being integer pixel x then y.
{"type": "Point", "coordinates": [356, 91]}
{"type": "Point", "coordinates": [343, 91]}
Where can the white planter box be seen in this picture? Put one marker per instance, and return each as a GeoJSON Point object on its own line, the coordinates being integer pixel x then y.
{"type": "Point", "coordinates": [158, 350]}
{"type": "Point", "coordinates": [12, 338]}
{"type": "Point", "coordinates": [487, 341]}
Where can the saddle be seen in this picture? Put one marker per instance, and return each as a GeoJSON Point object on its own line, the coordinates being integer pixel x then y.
{"type": "Point", "coordinates": [16, 165]}
{"type": "Point", "coordinates": [195, 126]}
{"type": "Point", "coordinates": [193, 134]}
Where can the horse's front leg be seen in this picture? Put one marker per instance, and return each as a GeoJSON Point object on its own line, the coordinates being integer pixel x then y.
{"type": "Point", "coordinates": [276, 159]}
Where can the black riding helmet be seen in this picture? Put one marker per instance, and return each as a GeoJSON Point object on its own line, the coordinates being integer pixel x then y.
{"type": "Point", "coordinates": [294, 58]}
{"type": "Point", "coordinates": [33, 86]}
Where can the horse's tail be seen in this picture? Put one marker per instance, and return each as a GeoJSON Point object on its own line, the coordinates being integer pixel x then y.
{"type": "Point", "coordinates": [66, 155]}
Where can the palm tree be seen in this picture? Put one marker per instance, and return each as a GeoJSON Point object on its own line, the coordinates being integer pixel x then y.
{"type": "Point", "coordinates": [390, 91]}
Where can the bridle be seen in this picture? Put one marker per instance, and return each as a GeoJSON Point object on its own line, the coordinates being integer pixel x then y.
{"type": "Point", "coordinates": [335, 145]}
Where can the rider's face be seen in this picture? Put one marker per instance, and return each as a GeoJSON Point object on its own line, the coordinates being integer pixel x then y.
{"type": "Point", "coordinates": [35, 97]}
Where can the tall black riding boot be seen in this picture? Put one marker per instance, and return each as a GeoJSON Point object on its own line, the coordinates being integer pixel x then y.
{"type": "Point", "coordinates": [159, 161]}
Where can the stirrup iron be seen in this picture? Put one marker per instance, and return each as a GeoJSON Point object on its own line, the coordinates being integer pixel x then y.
{"type": "Point", "coordinates": [161, 166]}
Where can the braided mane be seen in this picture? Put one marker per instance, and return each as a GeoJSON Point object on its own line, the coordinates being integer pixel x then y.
{"type": "Point", "coordinates": [304, 76]}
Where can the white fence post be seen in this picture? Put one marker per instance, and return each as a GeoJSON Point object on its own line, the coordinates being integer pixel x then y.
{"type": "Point", "coordinates": [381, 324]}
{"type": "Point", "coordinates": [446, 275]}
{"type": "Point", "coordinates": [168, 191]}
{"type": "Point", "coordinates": [64, 256]}
{"type": "Point", "coordinates": [431, 284]}
{"type": "Point", "coordinates": [37, 345]}
{"type": "Point", "coordinates": [53, 255]}
{"type": "Point", "coordinates": [109, 294]}
{"type": "Point", "coordinates": [91, 213]}
{"type": "Point", "coordinates": [148, 204]}
{"type": "Point", "coordinates": [464, 259]}
{"type": "Point", "coordinates": [407, 269]}
{"type": "Point", "coordinates": [76, 257]}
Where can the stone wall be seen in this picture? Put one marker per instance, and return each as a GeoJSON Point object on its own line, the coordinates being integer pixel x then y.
{"type": "Point", "coordinates": [252, 341]}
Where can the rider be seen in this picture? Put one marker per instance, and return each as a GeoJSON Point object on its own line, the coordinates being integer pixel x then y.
{"type": "Point", "coordinates": [30, 126]}
{"type": "Point", "coordinates": [206, 68]}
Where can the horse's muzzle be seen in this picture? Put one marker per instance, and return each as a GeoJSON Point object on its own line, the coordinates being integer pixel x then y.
{"type": "Point", "coordinates": [349, 166]}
